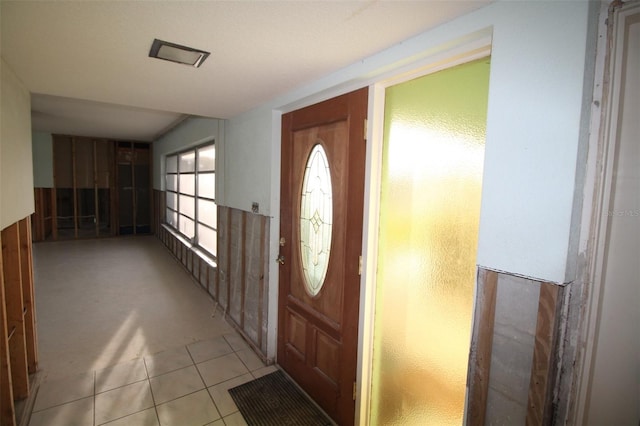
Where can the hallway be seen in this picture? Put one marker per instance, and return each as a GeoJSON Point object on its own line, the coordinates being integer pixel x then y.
{"type": "Point", "coordinates": [126, 337]}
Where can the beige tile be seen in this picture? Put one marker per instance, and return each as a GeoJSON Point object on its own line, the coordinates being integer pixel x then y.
{"type": "Point", "coordinates": [195, 409]}
{"type": "Point", "coordinates": [220, 369]}
{"type": "Point", "coordinates": [176, 384]}
{"type": "Point", "coordinates": [77, 413]}
{"type": "Point", "coordinates": [235, 419]}
{"type": "Point", "coordinates": [121, 402]}
{"type": "Point", "coordinates": [120, 375]}
{"type": "Point", "coordinates": [221, 396]}
{"type": "Point", "coordinates": [59, 391]}
{"type": "Point", "coordinates": [219, 422]}
{"type": "Point", "coordinates": [120, 271]}
{"type": "Point", "coordinates": [209, 349]}
{"type": "Point", "coordinates": [236, 342]}
{"type": "Point", "coordinates": [250, 359]}
{"type": "Point", "coordinates": [264, 371]}
{"type": "Point", "coordinates": [143, 418]}
{"type": "Point", "coordinates": [167, 361]}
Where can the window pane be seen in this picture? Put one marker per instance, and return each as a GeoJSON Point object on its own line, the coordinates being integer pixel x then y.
{"type": "Point", "coordinates": [207, 213]}
{"type": "Point", "coordinates": [186, 226]}
{"type": "Point", "coordinates": [188, 184]}
{"type": "Point", "coordinates": [207, 158]}
{"type": "Point", "coordinates": [187, 206]}
{"type": "Point", "coordinates": [188, 162]}
{"type": "Point", "coordinates": [207, 185]}
{"type": "Point", "coordinates": [207, 239]}
{"type": "Point", "coordinates": [172, 200]}
{"type": "Point", "coordinates": [172, 164]}
{"type": "Point", "coordinates": [171, 218]}
{"type": "Point", "coordinates": [172, 182]}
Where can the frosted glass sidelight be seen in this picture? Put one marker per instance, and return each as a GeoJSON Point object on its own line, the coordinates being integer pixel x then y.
{"type": "Point", "coordinates": [172, 164]}
{"type": "Point", "coordinates": [207, 159]}
{"type": "Point", "coordinates": [187, 206]}
{"type": "Point", "coordinates": [172, 182]}
{"type": "Point", "coordinates": [172, 218]}
{"type": "Point", "coordinates": [316, 219]}
{"type": "Point", "coordinates": [207, 185]}
{"type": "Point", "coordinates": [433, 157]}
{"type": "Point", "coordinates": [172, 200]}
{"type": "Point", "coordinates": [188, 162]}
{"type": "Point", "coordinates": [208, 212]}
{"type": "Point", "coordinates": [207, 238]}
{"type": "Point", "coordinates": [188, 184]}
{"type": "Point", "coordinates": [187, 226]}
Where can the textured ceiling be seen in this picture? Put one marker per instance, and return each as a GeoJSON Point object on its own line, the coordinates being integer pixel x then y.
{"type": "Point", "coordinates": [86, 62]}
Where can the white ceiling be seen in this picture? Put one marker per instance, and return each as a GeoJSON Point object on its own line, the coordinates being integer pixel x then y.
{"type": "Point", "coordinates": [86, 62]}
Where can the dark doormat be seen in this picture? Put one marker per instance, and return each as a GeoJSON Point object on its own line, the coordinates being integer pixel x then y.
{"type": "Point", "coordinates": [273, 400]}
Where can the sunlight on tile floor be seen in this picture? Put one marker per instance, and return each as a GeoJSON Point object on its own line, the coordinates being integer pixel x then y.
{"type": "Point", "coordinates": [182, 386]}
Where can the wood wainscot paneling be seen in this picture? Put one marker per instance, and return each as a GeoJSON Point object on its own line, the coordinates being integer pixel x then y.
{"type": "Point", "coordinates": [515, 350]}
{"type": "Point", "coordinates": [243, 269]}
{"type": "Point", "coordinates": [481, 345]}
{"type": "Point", "coordinates": [237, 279]}
{"type": "Point", "coordinates": [544, 367]}
{"type": "Point", "coordinates": [18, 341]}
{"type": "Point", "coordinates": [42, 220]}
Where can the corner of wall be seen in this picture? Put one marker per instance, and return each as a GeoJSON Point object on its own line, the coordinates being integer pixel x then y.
{"type": "Point", "coordinates": [16, 171]}
{"type": "Point", "coordinates": [589, 118]}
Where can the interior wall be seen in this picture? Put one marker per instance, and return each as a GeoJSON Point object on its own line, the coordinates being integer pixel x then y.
{"type": "Point", "coordinates": [539, 52]}
{"type": "Point", "coordinates": [42, 146]}
{"type": "Point", "coordinates": [16, 176]}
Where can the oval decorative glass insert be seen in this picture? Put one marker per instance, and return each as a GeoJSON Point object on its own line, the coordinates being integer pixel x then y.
{"type": "Point", "coordinates": [316, 220]}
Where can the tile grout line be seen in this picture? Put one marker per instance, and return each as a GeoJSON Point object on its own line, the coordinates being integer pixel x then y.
{"type": "Point", "coordinates": [206, 388]}
{"type": "Point", "coordinates": [153, 398]}
{"type": "Point", "coordinates": [94, 397]}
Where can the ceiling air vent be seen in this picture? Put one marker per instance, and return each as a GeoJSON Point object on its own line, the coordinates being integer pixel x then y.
{"type": "Point", "coordinates": [177, 53]}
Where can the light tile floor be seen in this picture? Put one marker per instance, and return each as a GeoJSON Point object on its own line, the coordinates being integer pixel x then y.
{"type": "Point", "coordinates": [184, 386]}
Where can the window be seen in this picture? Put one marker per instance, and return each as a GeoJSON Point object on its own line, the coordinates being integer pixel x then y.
{"type": "Point", "coordinates": [191, 189]}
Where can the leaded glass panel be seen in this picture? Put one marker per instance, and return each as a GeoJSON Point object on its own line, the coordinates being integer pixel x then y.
{"type": "Point", "coordinates": [316, 219]}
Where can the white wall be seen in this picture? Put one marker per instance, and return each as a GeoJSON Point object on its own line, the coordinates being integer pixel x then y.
{"type": "Point", "coordinates": [42, 146]}
{"type": "Point", "coordinates": [533, 130]}
{"type": "Point", "coordinates": [16, 176]}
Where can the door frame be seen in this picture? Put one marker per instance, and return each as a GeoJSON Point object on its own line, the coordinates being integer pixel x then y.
{"type": "Point", "coordinates": [463, 53]}
{"type": "Point", "coordinates": [464, 49]}
{"type": "Point", "coordinates": [598, 190]}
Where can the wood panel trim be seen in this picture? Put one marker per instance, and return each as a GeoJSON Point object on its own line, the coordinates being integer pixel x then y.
{"type": "Point", "coordinates": [7, 410]}
{"type": "Point", "coordinates": [243, 265]}
{"type": "Point", "coordinates": [75, 187]}
{"type": "Point", "coordinates": [543, 369]}
{"type": "Point", "coordinates": [28, 295]}
{"type": "Point", "coordinates": [96, 201]}
{"type": "Point", "coordinates": [481, 346]}
{"type": "Point", "coordinates": [261, 281]}
{"type": "Point", "coordinates": [227, 269]}
{"type": "Point", "coordinates": [211, 276]}
{"type": "Point", "coordinates": [12, 273]}
{"type": "Point", "coordinates": [54, 213]}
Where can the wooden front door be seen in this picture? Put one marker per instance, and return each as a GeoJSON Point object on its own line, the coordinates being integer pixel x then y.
{"type": "Point", "coordinates": [321, 211]}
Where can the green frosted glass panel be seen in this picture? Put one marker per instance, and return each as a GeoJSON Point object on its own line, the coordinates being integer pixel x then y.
{"type": "Point", "coordinates": [430, 207]}
{"type": "Point", "coordinates": [316, 219]}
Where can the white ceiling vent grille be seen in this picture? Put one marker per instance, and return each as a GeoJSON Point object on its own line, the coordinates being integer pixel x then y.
{"type": "Point", "coordinates": [177, 53]}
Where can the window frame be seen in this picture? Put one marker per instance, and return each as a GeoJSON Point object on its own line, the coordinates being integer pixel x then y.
{"type": "Point", "coordinates": [174, 214]}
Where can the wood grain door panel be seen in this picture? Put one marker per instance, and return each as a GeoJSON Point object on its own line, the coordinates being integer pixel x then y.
{"type": "Point", "coordinates": [317, 334]}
